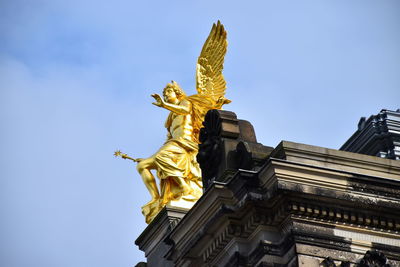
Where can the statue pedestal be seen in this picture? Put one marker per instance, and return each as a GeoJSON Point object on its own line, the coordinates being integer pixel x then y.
{"type": "Point", "coordinates": [151, 241]}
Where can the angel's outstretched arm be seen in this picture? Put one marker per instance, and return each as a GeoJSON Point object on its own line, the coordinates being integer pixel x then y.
{"type": "Point", "coordinates": [183, 108]}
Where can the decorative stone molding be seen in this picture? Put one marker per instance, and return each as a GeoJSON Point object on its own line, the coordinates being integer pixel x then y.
{"type": "Point", "coordinates": [344, 216]}
{"type": "Point", "coordinates": [244, 228]}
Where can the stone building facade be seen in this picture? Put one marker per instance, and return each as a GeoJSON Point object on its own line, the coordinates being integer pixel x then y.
{"type": "Point", "coordinates": [292, 205]}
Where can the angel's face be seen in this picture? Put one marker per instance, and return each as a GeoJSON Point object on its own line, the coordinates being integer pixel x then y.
{"type": "Point", "coordinates": [170, 96]}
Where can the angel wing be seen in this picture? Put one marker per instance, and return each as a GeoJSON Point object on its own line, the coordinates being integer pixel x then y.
{"type": "Point", "coordinates": [210, 82]}
{"type": "Point", "coordinates": [209, 79]}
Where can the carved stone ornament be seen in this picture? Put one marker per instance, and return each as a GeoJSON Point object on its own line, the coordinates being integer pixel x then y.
{"type": "Point", "coordinates": [373, 259]}
{"type": "Point", "coordinates": [210, 149]}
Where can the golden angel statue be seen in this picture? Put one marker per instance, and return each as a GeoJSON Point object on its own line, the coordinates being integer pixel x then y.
{"type": "Point", "coordinates": [175, 162]}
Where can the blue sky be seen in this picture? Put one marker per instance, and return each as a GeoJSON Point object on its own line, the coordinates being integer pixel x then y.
{"type": "Point", "coordinates": [75, 84]}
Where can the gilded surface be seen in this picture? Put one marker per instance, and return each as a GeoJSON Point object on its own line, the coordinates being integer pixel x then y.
{"type": "Point", "coordinates": [175, 162]}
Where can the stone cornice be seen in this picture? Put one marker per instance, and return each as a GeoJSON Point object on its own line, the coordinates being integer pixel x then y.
{"type": "Point", "coordinates": [320, 179]}
{"type": "Point", "coordinates": [164, 222]}
{"type": "Point", "coordinates": [332, 158]}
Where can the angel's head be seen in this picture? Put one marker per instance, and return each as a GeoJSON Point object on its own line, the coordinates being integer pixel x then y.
{"type": "Point", "coordinates": [173, 92]}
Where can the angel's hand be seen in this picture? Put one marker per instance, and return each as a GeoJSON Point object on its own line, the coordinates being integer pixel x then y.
{"type": "Point", "coordinates": [159, 101]}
